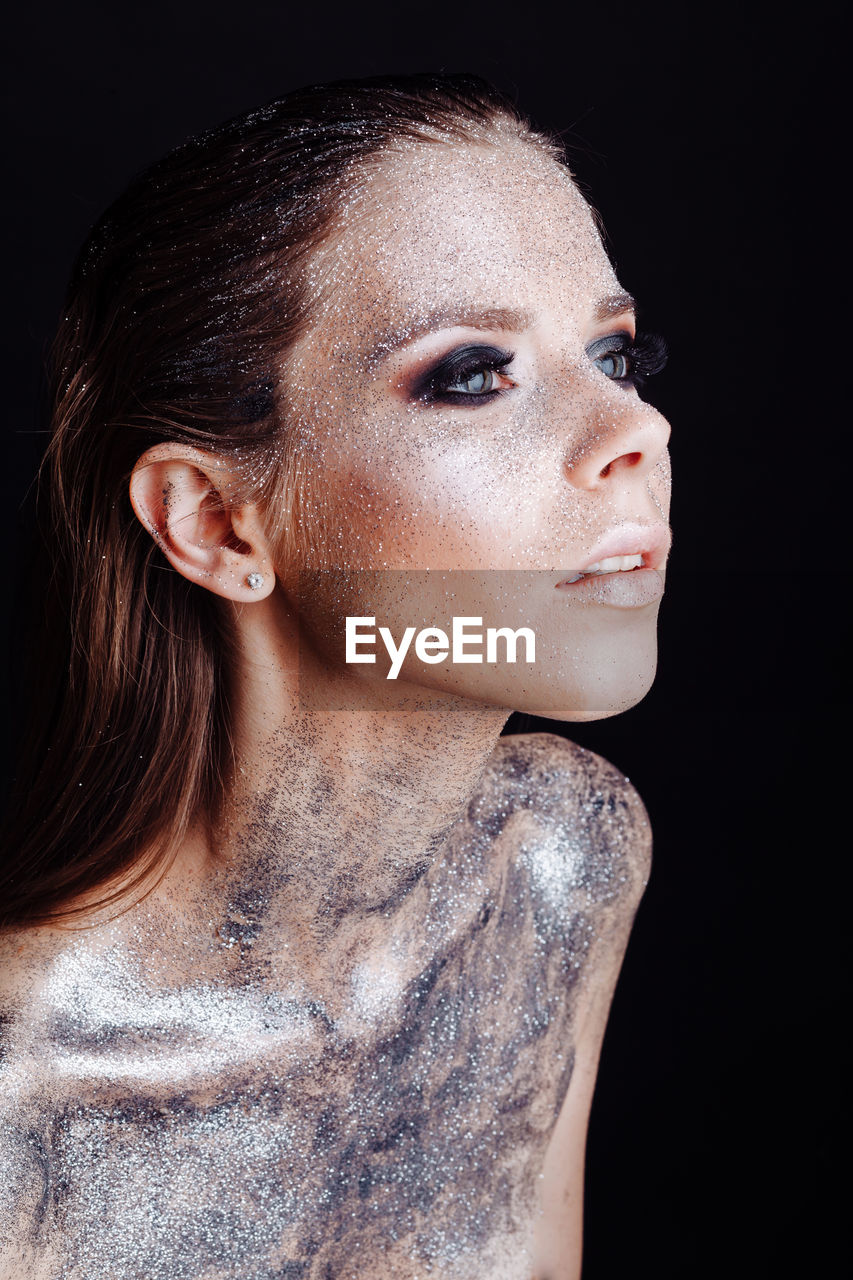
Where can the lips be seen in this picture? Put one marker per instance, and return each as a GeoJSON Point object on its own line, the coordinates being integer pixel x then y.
{"type": "Point", "coordinates": [631, 547]}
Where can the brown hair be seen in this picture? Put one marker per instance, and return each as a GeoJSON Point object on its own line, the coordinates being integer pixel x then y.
{"type": "Point", "coordinates": [186, 291]}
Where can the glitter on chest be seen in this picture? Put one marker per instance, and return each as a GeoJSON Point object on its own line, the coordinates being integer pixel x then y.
{"type": "Point", "coordinates": [242, 1126]}
{"type": "Point", "coordinates": [222, 1143]}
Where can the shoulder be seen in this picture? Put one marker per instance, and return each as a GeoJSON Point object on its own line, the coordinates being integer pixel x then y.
{"type": "Point", "coordinates": [31, 961]}
{"type": "Point", "coordinates": [26, 960]}
{"type": "Point", "coordinates": [569, 815]}
{"type": "Point", "coordinates": [26, 1090]}
{"type": "Point", "coordinates": [24, 957]}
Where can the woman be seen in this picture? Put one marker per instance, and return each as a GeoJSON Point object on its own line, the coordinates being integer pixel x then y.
{"type": "Point", "coordinates": [305, 968]}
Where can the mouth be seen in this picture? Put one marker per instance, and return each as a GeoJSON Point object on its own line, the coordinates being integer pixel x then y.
{"type": "Point", "coordinates": [612, 564]}
{"type": "Point", "coordinates": [632, 549]}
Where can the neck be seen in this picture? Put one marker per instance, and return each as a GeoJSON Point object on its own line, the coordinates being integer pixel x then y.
{"type": "Point", "coordinates": [333, 815]}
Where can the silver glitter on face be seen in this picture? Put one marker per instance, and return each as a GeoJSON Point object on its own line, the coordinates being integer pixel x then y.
{"type": "Point", "coordinates": [446, 249]}
{"type": "Point", "coordinates": [350, 1035]}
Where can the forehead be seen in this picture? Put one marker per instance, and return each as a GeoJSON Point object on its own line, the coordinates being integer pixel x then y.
{"type": "Point", "coordinates": [436, 225]}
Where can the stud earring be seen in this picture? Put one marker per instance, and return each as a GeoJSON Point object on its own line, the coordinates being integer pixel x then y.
{"type": "Point", "coordinates": [255, 580]}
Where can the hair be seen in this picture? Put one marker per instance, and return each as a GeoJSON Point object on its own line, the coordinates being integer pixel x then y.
{"type": "Point", "coordinates": [181, 303]}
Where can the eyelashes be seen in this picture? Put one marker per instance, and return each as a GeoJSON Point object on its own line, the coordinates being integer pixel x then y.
{"type": "Point", "coordinates": [632, 360]}
{"type": "Point", "coordinates": [463, 366]}
{"type": "Point", "coordinates": [467, 375]}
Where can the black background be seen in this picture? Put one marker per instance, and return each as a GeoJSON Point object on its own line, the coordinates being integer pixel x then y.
{"type": "Point", "coordinates": [708, 142]}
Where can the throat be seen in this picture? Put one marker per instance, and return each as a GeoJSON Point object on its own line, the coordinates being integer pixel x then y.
{"type": "Point", "coordinates": [330, 826]}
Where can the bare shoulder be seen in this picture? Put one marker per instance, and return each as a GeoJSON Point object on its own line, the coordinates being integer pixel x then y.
{"type": "Point", "coordinates": [574, 816]}
{"type": "Point", "coordinates": [28, 958]}
{"type": "Point", "coordinates": [25, 960]}
{"type": "Point", "coordinates": [578, 856]}
{"type": "Point", "coordinates": [25, 957]}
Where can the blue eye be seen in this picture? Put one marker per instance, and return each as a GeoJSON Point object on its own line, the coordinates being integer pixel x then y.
{"type": "Point", "coordinates": [614, 365]}
{"type": "Point", "coordinates": [631, 361]}
{"type": "Point", "coordinates": [479, 383]}
{"type": "Point", "coordinates": [469, 376]}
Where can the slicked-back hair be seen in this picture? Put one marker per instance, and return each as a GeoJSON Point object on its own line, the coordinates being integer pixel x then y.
{"type": "Point", "coordinates": [182, 302]}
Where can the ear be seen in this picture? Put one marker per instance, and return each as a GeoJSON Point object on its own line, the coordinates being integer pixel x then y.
{"type": "Point", "coordinates": [183, 497]}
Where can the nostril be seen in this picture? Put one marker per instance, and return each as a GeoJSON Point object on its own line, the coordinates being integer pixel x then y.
{"type": "Point", "coordinates": [624, 460]}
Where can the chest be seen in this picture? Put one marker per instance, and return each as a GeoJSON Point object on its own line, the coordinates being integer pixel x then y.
{"type": "Point", "coordinates": [242, 1132]}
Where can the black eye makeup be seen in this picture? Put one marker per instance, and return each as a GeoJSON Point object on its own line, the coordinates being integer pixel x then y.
{"type": "Point", "coordinates": [468, 376]}
{"type": "Point", "coordinates": [629, 360]}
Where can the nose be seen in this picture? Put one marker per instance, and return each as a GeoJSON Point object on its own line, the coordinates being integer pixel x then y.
{"type": "Point", "coordinates": [622, 442]}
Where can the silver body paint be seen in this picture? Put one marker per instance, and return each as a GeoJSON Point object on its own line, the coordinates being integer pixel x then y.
{"type": "Point", "coordinates": [182, 1103]}
{"type": "Point", "coordinates": [344, 1058]}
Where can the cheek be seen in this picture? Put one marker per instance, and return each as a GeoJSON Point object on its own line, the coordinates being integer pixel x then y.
{"type": "Point", "coordinates": [392, 494]}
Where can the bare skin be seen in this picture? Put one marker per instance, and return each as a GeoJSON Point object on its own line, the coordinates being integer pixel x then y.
{"type": "Point", "coordinates": [420, 1112]}
{"type": "Point", "coordinates": [354, 1031]}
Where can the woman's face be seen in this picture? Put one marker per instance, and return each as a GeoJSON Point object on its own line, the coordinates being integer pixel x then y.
{"type": "Point", "coordinates": [469, 434]}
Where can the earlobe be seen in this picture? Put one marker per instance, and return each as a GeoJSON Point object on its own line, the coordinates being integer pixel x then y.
{"type": "Point", "coordinates": [182, 496]}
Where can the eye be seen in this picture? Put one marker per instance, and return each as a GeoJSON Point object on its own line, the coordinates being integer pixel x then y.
{"type": "Point", "coordinates": [470, 376]}
{"type": "Point", "coordinates": [614, 365]}
{"type": "Point", "coordinates": [622, 358]}
{"type": "Point", "coordinates": [484, 380]}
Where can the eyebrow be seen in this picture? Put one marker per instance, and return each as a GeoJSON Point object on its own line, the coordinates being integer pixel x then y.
{"type": "Point", "coordinates": [615, 304]}
{"type": "Point", "coordinates": [450, 318]}
{"type": "Point", "coordinates": [482, 318]}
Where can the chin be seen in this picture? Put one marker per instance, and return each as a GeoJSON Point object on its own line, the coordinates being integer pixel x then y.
{"type": "Point", "coordinates": [602, 708]}
{"type": "Point", "coordinates": [596, 691]}
{"type": "Point", "coordinates": [608, 699]}
{"type": "Point", "coordinates": [602, 684]}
